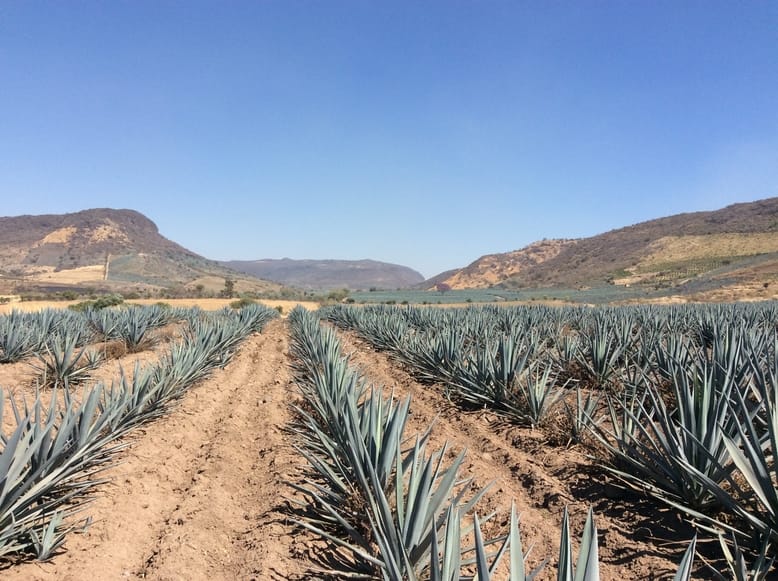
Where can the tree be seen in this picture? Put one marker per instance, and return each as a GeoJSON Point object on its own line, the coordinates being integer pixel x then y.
{"type": "Point", "coordinates": [338, 295]}
{"type": "Point", "coordinates": [229, 288]}
{"type": "Point", "coordinates": [442, 287]}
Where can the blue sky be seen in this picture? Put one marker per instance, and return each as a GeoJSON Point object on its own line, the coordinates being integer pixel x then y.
{"type": "Point", "coordinates": [423, 133]}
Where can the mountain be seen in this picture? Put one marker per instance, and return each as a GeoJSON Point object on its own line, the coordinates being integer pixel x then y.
{"type": "Point", "coordinates": [330, 274]}
{"type": "Point", "coordinates": [493, 269]}
{"type": "Point", "coordinates": [102, 248]}
{"type": "Point", "coordinates": [694, 252]}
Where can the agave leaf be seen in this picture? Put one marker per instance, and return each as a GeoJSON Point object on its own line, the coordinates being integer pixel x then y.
{"type": "Point", "coordinates": [588, 567]}
{"type": "Point", "coordinates": [684, 572]}
{"type": "Point", "coordinates": [565, 568]}
{"type": "Point", "coordinates": [482, 566]}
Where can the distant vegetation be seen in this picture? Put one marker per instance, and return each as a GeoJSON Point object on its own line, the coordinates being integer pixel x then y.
{"type": "Point", "coordinates": [598, 295]}
{"type": "Point", "coordinates": [99, 303]}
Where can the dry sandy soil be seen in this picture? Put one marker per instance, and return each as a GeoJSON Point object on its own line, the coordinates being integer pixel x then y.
{"type": "Point", "coordinates": [200, 494]}
{"type": "Point", "coordinates": [205, 304]}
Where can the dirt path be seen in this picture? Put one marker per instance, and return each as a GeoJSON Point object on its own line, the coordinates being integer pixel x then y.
{"type": "Point", "coordinates": [197, 495]}
{"type": "Point", "coordinates": [542, 479]}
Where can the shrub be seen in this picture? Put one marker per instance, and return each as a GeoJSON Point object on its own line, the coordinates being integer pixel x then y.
{"type": "Point", "coordinates": [244, 302]}
{"type": "Point", "coordinates": [338, 295]}
{"type": "Point", "coordinates": [99, 303]}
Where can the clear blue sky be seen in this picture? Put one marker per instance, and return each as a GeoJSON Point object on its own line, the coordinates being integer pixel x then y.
{"type": "Point", "coordinates": [425, 133]}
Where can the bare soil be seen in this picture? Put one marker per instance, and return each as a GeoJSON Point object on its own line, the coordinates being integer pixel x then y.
{"type": "Point", "coordinates": [200, 494]}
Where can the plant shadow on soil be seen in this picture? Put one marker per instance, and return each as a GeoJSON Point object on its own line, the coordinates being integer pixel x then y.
{"type": "Point", "coordinates": [649, 521]}
{"type": "Point", "coordinates": [649, 528]}
{"type": "Point", "coordinates": [319, 555]}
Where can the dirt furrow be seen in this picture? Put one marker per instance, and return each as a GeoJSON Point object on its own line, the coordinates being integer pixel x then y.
{"type": "Point", "coordinates": [226, 525]}
{"type": "Point", "coordinates": [197, 495]}
{"type": "Point", "coordinates": [540, 478]}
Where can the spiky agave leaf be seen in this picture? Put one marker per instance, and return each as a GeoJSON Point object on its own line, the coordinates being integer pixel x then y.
{"type": "Point", "coordinates": [739, 568]}
{"type": "Point", "coordinates": [587, 566]}
{"type": "Point", "coordinates": [48, 538]}
{"type": "Point", "coordinates": [684, 572]}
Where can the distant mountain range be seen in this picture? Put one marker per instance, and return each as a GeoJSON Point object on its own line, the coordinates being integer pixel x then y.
{"type": "Point", "coordinates": [735, 247]}
{"type": "Point", "coordinates": [330, 274]}
{"type": "Point", "coordinates": [107, 249]}
{"type": "Point", "coordinates": [725, 254]}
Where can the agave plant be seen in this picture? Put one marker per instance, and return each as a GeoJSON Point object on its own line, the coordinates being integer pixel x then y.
{"type": "Point", "coordinates": [540, 394]}
{"type": "Point", "coordinates": [600, 354]}
{"type": "Point", "coordinates": [582, 416]}
{"type": "Point", "coordinates": [63, 363]}
{"type": "Point", "coordinates": [354, 449]}
{"type": "Point", "coordinates": [16, 340]}
{"type": "Point", "coordinates": [48, 465]}
{"type": "Point", "coordinates": [653, 445]}
{"type": "Point", "coordinates": [752, 450]}
{"type": "Point", "coordinates": [489, 376]}
{"type": "Point", "coordinates": [134, 330]}
{"type": "Point", "coordinates": [105, 323]}
{"type": "Point", "coordinates": [447, 561]}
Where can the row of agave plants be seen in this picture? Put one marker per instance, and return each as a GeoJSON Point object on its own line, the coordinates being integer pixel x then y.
{"type": "Point", "coordinates": [387, 505]}
{"type": "Point", "coordinates": [676, 402]}
{"type": "Point", "coordinates": [65, 344]}
{"type": "Point", "coordinates": [56, 454]}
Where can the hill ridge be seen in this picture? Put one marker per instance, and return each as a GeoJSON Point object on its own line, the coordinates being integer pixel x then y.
{"type": "Point", "coordinates": [330, 273]}
{"type": "Point", "coordinates": [672, 250]}
{"type": "Point", "coordinates": [100, 248]}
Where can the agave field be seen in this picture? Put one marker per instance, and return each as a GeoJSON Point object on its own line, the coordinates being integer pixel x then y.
{"type": "Point", "coordinates": [390, 507]}
{"type": "Point", "coordinates": [332, 445]}
{"type": "Point", "coordinates": [676, 403]}
{"type": "Point", "coordinates": [57, 443]}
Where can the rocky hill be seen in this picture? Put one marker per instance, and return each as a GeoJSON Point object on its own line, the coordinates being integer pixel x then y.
{"type": "Point", "coordinates": [101, 248]}
{"type": "Point", "coordinates": [494, 269]}
{"type": "Point", "coordinates": [699, 251]}
{"type": "Point", "coordinates": [330, 274]}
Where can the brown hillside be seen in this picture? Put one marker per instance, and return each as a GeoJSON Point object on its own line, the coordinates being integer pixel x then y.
{"type": "Point", "coordinates": [493, 269]}
{"type": "Point", "coordinates": [67, 241]}
{"type": "Point", "coordinates": [696, 252]}
{"type": "Point", "coordinates": [65, 250]}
